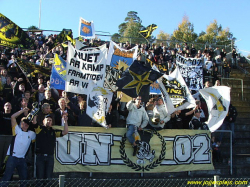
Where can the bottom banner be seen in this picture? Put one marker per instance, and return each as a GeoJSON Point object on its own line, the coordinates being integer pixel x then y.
{"type": "Point", "coordinates": [95, 149]}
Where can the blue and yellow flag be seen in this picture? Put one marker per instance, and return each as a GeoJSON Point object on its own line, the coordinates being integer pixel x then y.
{"type": "Point", "coordinates": [136, 80]}
{"type": "Point", "coordinates": [58, 75]}
{"type": "Point", "coordinates": [86, 29]}
{"type": "Point", "coordinates": [11, 35]}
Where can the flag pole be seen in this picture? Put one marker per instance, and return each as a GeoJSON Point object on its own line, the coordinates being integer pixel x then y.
{"type": "Point", "coordinates": [42, 61]}
{"type": "Point", "coordinates": [144, 37]}
{"type": "Point", "coordinates": [25, 75]}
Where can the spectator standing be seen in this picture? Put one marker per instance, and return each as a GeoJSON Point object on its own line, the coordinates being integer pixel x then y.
{"type": "Point", "coordinates": [6, 130]}
{"type": "Point", "coordinates": [216, 52]}
{"type": "Point", "coordinates": [49, 100]}
{"type": "Point", "coordinates": [82, 118]}
{"type": "Point", "coordinates": [45, 110]}
{"type": "Point", "coordinates": [64, 110]}
{"type": "Point", "coordinates": [195, 122]}
{"type": "Point", "coordinates": [234, 58]}
{"type": "Point", "coordinates": [226, 68]}
{"type": "Point", "coordinates": [229, 121]}
{"type": "Point", "coordinates": [223, 54]}
{"type": "Point", "coordinates": [193, 51]}
{"type": "Point", "coordinates": [160, 112]}
{"type": "Point", "coordinates": [22, 138]}
{"type": "Point", "coordinates": [7, 90]}
{"type": "Point", "coordinates": [137, 119]}
{"type": "Point", "coordinates": [45, 145]}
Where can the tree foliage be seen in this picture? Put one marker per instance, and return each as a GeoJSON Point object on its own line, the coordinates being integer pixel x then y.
{"type": "Point", "coordinates": [162, 37]}
{"type": "Point", "coordinates": [116, 37]}
{"type": "Point", "coordinates": [185, 31]}
{"type": "Point", "coordinates": [133, 15]}
{"type": "Point", "coordinates": [129, 30]}
{"type": "Point", "coordinates": [132, 30]}
{"type": "Point", "coordinates": [32, 27]}
{"type": "Point", "coordinates": [215, 34]}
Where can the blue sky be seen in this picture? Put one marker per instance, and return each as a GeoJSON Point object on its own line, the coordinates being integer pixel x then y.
{"type": "Point", "coordinates": [108, 14]}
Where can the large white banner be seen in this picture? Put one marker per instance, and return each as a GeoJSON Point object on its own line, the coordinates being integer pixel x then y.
{"type": "Point", "coordinates": [191, 70]}
{"type": "Point", "coordinates": [218, 100]}
{"type": "Point", "coordinates": [98, 102]}
{"type": "Point", "coordinates": [88, 149]}
{"type": "Point", "coordinates": [174, 86]}
{"type": "Point", "coordinates": [84, 66]}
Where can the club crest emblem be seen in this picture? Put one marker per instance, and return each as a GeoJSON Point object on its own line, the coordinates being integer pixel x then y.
{"type": "Point", "coordinates": [146, 157]}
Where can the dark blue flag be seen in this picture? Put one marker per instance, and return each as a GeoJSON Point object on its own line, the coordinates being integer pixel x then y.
{"type": "Point", "coordinates": [136, 79]}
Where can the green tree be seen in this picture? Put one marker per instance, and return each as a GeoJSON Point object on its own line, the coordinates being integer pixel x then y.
{"type": "Point", "coordinates": [163, 36]}
{"type": "Point", "coordinates": [133, 15]}
{"type": "Point", "coordinates": [132, 32]}
{"type": "Point", "coordinates": [185, 31]}
{"type": "Point", "coordinates": [116, 37]}
{"type": "Point", "coordinates": [215, 35]}
{"type": "Point", "coordinates": [32, 27]}
{"type": "Point", "coordinates": [129, 30]}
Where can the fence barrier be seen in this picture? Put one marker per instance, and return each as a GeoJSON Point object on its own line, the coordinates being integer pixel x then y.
{"type": "Point", "coordinates": [184, 182]}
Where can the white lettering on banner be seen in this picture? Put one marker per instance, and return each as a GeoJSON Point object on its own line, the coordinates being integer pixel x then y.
{"type": "Point", "coordinates": [189, 61]}
{"type": "Point", "coordinates": [84, 66]}
{"type": "Point", "coordinates": [194, 149]}
{"type": "Point", "coordinates": [95, 149]}
{"type": "Point", "coordinates": [84, 148]}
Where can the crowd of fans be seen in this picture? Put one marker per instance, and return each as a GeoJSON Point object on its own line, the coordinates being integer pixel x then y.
{"type": "Point", "coordinates": [19, 93]}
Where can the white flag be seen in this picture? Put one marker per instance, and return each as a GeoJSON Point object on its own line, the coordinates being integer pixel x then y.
{"type": "Point", "coordinates": [218, 100]}
{"type": "Point", "coordinates": [175, 87]}
{"type": "Point", "coordinates": [98, 102]}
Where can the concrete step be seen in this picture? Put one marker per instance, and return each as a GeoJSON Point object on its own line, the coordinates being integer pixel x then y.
{"type": "Point", "coordinates": [236, 95]}
{"type": "Point", "coordinates": [239, 90]}
{"type": "Point", "coordinates": [241, 158]}
{"type": "Point", "coordinates": [239, 75]}
{"type": "Point", "coordinates": [241, 127]}
{"type": "Point", "coordinates": [236, 83]}
{"type": "Point", "coordinates": [242, 121]}
{"type": "Point", "coordinates": [241, 170]}
{"type": "Point", "coordinates": [238, 141]}
{"type": "Point", "coordinates": [242, 133]}
{"type": "Point", "coordinates": [244, 115]}
{"type": "Point", "coordinates": [239, 98]}
{"type": "Point", "coordinates": [240, 103]}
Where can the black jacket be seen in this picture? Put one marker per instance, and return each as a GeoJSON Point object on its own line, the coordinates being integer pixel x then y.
{"type": "Point", "coordinates": [58, 117]}
{"type": "Point", "coordinates": [232, 114]}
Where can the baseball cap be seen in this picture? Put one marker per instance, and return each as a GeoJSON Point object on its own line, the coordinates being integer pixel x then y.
{"type": "Point", "coordinates": [25, 120]}
{"type": "Point", "coordinates": [48, 116]}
